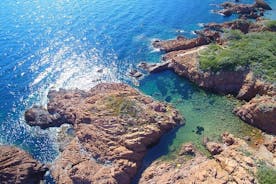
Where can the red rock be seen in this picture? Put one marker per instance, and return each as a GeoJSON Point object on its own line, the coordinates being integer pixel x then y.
{"type": "Point", "coordinates": [260, 112]}
{"type": "Point", "coordinates": [113, 127]}
{"type": "Point", "coordinates": [214, 148]}
{"type": "Point", "coordinates": [17, 166]}
{"type": "Point", "coordinates": [227, 138]}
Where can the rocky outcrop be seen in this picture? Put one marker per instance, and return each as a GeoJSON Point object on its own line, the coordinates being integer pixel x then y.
{"type": "Point", "coordinates": [17, 166]}
{"type": "Point", "coordinates": [244, 26]}
{"type": "Point", "coordinates": [241, 83]}
{"type": "Point", "coordinates": [39, 116]}
{"type": "Point", "coordinates": [214, 148]}
{"type": "Point", "coordinates": [262, 4]}
{"type": "Point", "coordinates": [252, 11]}
{"type": "Point", "coordinates": [229, 165]}
{"type": "Point", "coordinates": [260, 112]}
{"type": "Point", "coordinates": [113, 127]}
{"type": "Point", "coordinates": [181, 43]}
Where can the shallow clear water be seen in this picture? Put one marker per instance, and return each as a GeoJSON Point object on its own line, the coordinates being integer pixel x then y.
{"type": "Point", "coordinates": [54, 44]}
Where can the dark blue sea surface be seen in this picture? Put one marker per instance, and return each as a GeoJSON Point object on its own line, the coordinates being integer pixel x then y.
{"type": "Point", "coordinates": [48, 44]}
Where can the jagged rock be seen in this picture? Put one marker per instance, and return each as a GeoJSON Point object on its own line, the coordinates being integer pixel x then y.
{"type": "Point", "coordinates": [17, 166]}
{"type": "Point", "coordinates": [187, 149]}
{"type": "Point", "coordinates": [260, 112]}
{"type": "Point", "coordinates": [227, 138]}
{"type": "Point", "coordinates": [205, 37]}
{"type": "Point", "coordinates": [244, 26]}
{"type": "Point", "coordinates": [262, 4]}
{"type": "Point", "coordinates": [252, 11]}
{"type": "Point", "coordinates": [231, 165]}
{"type": "Point", "coordinates": [214, 148]}
{"type": "Point", "coordinates": [154, 68]}
{"type": "Point", "coordinates": [135, 73]}
{"type": "Point", "coordinates": [113, 127]}
{"type": "Point", "coordinates": [271, 145]}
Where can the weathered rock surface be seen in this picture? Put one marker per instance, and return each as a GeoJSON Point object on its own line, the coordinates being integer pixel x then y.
{"type": "Point", "coordinates": [252, 11]}
{"type": "Point", "coordinates": [260, 112]}
{"type": "Point", "coordinates": [231, 165]}
{"type": "Point", "coordinates": [271, 145]}
{"type": "Point", "coordinates": [39, 116]}
{"type": "Point", "coordinates": [113, 127]}
{"type": "Point", "coordinates": [187, 149]}
{"type": "Point", "coordinates": [17, 166]}
{"type": "Point", "coordinates": [240, 24]}
{"type": "Point", "coordinates": [214, 148]}
{"type": "Point", "coordinates": [262, 4]}
{"type": "Point", "coordinates": [180, 43]}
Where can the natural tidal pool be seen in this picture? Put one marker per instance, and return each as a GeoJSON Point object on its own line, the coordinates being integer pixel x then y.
{"type": "Point", "coordinates": [206, 115]}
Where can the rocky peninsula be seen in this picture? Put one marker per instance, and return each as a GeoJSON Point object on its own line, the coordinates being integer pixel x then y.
{"type": "Point", "coordinates": [113, 125]}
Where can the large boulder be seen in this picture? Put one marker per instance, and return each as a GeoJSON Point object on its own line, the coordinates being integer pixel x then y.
{"type": "Point", "coordinates": [17, 166]}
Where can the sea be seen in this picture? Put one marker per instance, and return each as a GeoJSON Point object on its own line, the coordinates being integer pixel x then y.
{"type": "Point", "coordinates": [53, 44]}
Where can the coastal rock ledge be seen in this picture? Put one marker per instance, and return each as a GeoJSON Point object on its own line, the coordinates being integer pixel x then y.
{"type": "Point", "coordinates": [113, 125]}
{"type": "Point", "coordinates": [17, 166]}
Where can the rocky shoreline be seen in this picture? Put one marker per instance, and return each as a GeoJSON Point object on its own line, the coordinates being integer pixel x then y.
{"type": "Point", "coordinates": [17, 166]}
{"type": "Point", "coordinates": [182, 56]}
{"type": "Point", "coordinates": [232, 161]}
{"type": "Point", "coordinates": [113, 127]}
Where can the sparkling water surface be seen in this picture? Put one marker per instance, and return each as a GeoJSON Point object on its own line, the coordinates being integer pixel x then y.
{"type": "Point", "coordinates": [56, 44]}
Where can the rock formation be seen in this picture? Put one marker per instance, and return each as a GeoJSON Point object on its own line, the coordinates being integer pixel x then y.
{"type": "Point", "coordinates": [242, 83]}
{"type": "Point", "coordinates": [252, 11]}
{"type": "Point", "coordinates": [114, 125]}
{"type": "Point", "coordinates": [230, 164]}
{"type": "Point", "coordinates": [17, 166]}
{"type": "Point", "coordinates": [244, 26]}
{"type": "Point", "coordinates": [260, 112]}
{"type": "Point", "coordinates": [180, 43]}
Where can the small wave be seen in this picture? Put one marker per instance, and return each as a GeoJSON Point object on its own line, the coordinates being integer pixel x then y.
{"type": "Point", "coordinates": [151, 48]}
{"type": "Point", "coordinates": [200, 24]}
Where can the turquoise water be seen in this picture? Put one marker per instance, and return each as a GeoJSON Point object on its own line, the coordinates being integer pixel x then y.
{"type": "Point", "coordinates": [54, 44]}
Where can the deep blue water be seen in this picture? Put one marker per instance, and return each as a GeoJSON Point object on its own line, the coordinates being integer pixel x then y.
{"type": "Point", "coordinates": [52, 44]}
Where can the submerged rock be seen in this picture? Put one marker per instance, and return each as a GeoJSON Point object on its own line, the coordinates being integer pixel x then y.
{"type": "Point", "coordinates": [17, 166]}
{"type": "Point", "coordinates": [113, 126]}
